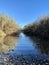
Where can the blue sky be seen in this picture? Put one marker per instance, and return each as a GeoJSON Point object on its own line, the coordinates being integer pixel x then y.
{"type": "Point", "coordinates": [24, 11]}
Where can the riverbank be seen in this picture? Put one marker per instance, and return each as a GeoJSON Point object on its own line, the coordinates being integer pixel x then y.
{"type": "Point", "coordinates": [8, 26]}
{"type": "Point", "coordinates": [38, 28]}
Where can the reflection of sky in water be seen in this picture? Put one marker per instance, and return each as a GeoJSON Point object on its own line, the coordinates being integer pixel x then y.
{"type": "Point", "coordinates": [25, 46]}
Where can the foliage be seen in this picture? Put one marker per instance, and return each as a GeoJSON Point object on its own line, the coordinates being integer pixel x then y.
{"type": "Point", "coordinates": [7, 24]}
{"type": "Point", "coordinates": [2, 34]}
{"type": "Point", "coordinates": [40, 27]}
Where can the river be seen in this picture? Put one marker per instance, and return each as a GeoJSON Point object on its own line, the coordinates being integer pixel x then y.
{"type": "Point", "coordinates": [28, 46]}
{"type": "Point", "coordinates": [23, 47]}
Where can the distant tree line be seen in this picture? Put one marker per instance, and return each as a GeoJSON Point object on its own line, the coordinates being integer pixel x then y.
{"type": "Point", "coordinates": [38, 28]}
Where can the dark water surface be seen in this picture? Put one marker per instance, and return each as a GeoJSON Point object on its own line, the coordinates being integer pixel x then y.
{"type": "Point", "coordinates": [24, 50]}
{"type": "Point", "coordinates": [31, 46]}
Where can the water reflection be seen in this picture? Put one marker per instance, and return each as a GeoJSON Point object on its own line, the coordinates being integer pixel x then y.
{"type": "Point", "coordinates": [25, 45]}
{"type": "Point", "coordinates": [41, 44]}
{"type": "Point", "coordinates": [8, 43]}
{"type": "Point", "coordinates": [27, 48]}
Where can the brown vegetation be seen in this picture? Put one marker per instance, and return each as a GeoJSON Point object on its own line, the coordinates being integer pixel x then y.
{"type": "Point", "coordinates": [8, 26]}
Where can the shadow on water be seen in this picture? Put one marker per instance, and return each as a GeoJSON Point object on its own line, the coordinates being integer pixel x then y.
{"type": "Point", "coordinates": [41, 44]}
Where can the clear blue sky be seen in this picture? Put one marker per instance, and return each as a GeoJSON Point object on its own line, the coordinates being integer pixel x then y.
{"type": "Point", "coordinates": [24, 11]}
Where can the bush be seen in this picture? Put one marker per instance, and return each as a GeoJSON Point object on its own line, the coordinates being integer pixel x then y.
{"type": "Point", "coordinates": [40, 27]}
{"type": "Point", "coordinates": [8, 25]}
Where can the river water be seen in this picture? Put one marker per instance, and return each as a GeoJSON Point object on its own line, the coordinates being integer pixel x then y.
{"type": "Point", "coordinates": [31, 48]}
{"type": "Point", "coordinates": [25, 46]}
